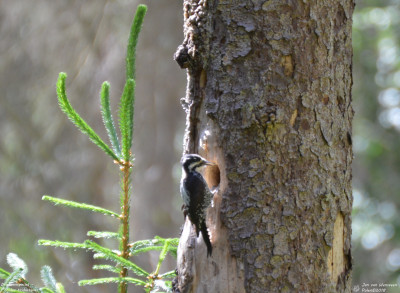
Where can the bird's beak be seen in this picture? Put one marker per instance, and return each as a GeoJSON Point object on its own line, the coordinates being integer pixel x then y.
{"type": "Point", "coordinates": [208, 163]}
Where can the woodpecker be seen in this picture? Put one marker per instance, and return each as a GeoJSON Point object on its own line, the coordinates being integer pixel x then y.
{"type": "Point", "coordinates": [196, 195]}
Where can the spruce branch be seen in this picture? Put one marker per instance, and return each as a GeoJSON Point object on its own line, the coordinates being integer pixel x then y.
{"type": "Point", "coordinates": [155, 279]}
{"type": "Point", "coordinates": [168, 275]}
{"type": "Point", "coordinates": [110, 255]}
{"type": "Point", "coordinates": [107, 117]}
{"type": "Point", "coordinates": [17, 278]}
{"type": "Point", "coordinates": [103, 234]}
{"type": "Point", "coordinates": [60, 288]}
{"type": "Point", "coordinates": [77, 119]}
{"type": "Point", "coordinates": [4, 274]}
{"type": "Point", "coordinates": [12, 278]}
{"type": "Point", "coordinates": [144, 246]}
{"type": "Point", "coordinates": [109, 268]}
{"type": "Point", "coordinates": [157, 244]}
{"type": "Point", "coordinates": [61, 244]}
{"type": "Point", "coordinates": [48, 278]}
{"type": "Point", "coordinates": [132, 42]}
{"type": "Point", "coordinates": [126, 118]}
{"type": "Point", "coordinates": [84, 206]}
{"type": "Point", "coordinates": [17, 264]}
{"type": "Point", "coordinates": [162, 256]}
{"type": "Point", "coordinates": [160, 286]}
{"type": "Point", "coordinates": [111, 280]}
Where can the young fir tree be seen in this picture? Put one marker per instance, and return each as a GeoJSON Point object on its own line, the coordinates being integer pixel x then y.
{"type": "Point", "coordinates": [117, 262]}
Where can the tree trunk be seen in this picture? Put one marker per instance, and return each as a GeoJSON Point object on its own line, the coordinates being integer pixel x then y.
{"type": "Point", "coordinates": [269, 100]}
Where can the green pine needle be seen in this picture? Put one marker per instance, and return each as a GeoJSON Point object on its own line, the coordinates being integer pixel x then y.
{"type": "Point", "coordinates": [107, 117]}
{"type": "Point", "coordinates": [62, 244]}
{"type": "Point", "coordinates": [109, 268]}
{"type": "Point", "coordinates": [132, 42]}
{"type": "Point", "coordinates": [106, 235]}
{"type": "Point", "coordinates": [145, 246]}
{"type": "Point", "coordinates": [77, 119]}
{"type": "Point", "coordinates": [60, 288]}
{"type": "Point", "coordinates": [84, 206]}
{"type": "Point", "coordinates": [111, 280]}
{"type": "Point", "coordinates": [172, 246]}
{"type": "Point", "coordinates": [162, 286]}
{"type": "Point", "coordinates": [109, 254]}
{"type": "Point", "coordinates": [4, 274]}
{"type": "Point", "coordinates": [126, 118]}
{"type": "Point", "coordinates": [169, 245]}
{"type": "Point", "coordinates": [168, 275]}
{"type": "Point", "coordinates": [48, 278]}
{"type": "Point", "coordinates": [17, 276]}
{"type": "Point", "coordinates": [11, 279]}
{"type": "Point", "coordinates": [163, 254]}
{"type": "Point", "coordinates": [17, 264]}
{"type": "Point", "coordinates": [9, 290]}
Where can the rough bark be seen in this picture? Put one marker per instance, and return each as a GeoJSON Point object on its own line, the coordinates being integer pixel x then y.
{"type": "Point", "coordinates": [269, 100]}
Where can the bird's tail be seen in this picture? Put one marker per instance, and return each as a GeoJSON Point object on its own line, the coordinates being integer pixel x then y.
{"type": "Point", "coordinates": [206, 238]}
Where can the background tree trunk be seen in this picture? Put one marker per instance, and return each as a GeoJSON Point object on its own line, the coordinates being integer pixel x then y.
{"type": "Point", "coordinates": [269, 100]}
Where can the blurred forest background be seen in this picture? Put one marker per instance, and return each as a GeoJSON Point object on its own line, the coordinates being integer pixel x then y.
{"type": "Point", "coordinates": [41, 152]}
{"type": "Point", "coordinates": [376, 142]}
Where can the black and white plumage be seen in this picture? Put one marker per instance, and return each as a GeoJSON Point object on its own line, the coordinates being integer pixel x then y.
{"type": "Point", "coordinates": [196, 195]}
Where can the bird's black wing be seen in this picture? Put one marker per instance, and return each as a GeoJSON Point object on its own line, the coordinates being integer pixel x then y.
{"type": "Point", "coordinates": [198, 193]}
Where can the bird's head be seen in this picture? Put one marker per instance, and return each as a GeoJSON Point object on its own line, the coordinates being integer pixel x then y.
{"type": "Point", "coordinates": [194, 163]}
